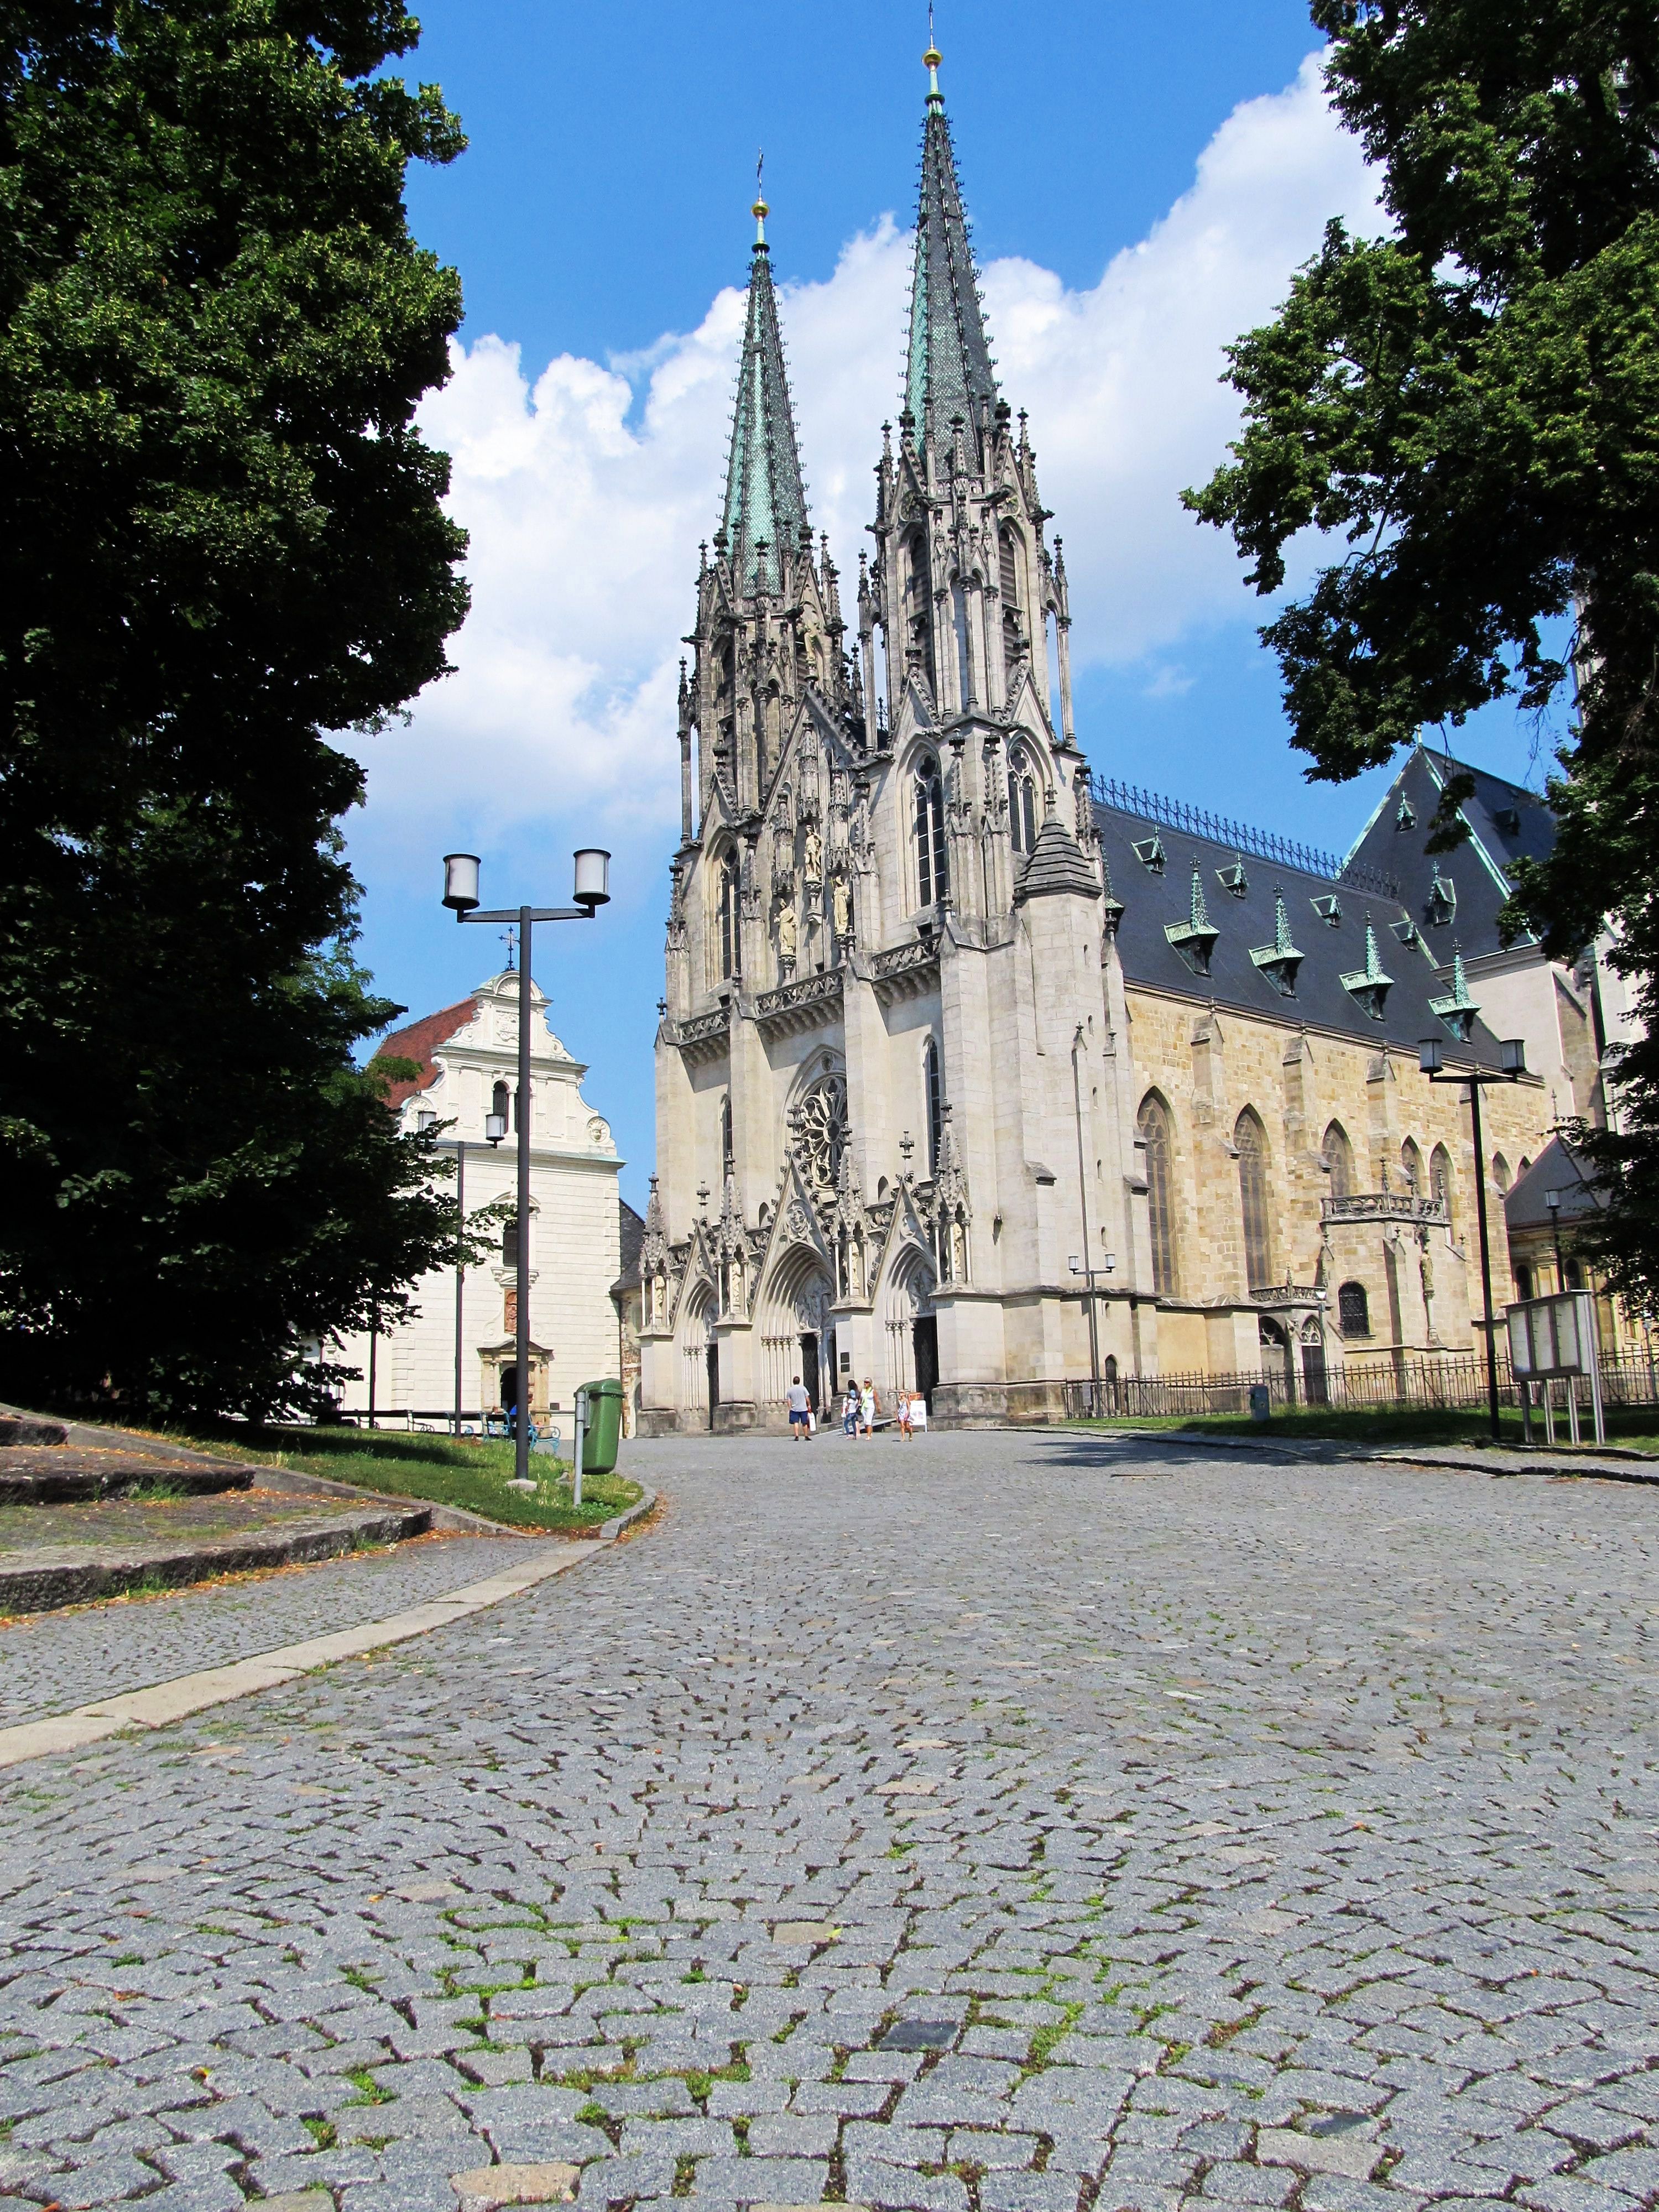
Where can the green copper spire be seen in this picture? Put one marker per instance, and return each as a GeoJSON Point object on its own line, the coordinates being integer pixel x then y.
{"type": "Point", "coordinates": [1280, 961]}
{"type": "Point", "coordinates": [765, 496]}
{"type": "Point", "coordinates": [1369, 985]}
{"type": "Point", "coordinates": [949, 369]}
{"type": "Point", "coordinates": [1459, 1010]}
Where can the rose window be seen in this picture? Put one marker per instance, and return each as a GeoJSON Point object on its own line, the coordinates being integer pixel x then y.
{"type": "Point", "coordinates": [821, 1132]}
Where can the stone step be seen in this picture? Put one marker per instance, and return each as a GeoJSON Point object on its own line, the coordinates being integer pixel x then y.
{"type": "Point", "coordinates": [21, 1429]}
{"type": "Point", "coordinates": [33, 1474]}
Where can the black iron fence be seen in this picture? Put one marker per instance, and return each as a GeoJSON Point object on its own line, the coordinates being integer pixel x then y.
{"type": "Point", "coordinates": [1456, 1382]}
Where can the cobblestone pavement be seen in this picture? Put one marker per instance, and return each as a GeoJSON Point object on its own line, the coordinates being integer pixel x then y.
{"type": "Point", "coordinates": [985, 1824]}
{"type": "Point", "coordinates": [50, 1662]}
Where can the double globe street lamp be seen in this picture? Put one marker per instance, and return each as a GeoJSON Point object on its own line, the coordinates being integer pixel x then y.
{"type": "Point", "coordinates": [592, 891]}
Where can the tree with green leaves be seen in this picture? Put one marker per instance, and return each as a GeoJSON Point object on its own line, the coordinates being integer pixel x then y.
{"type": "Point", "coordinates": [221, 539]}
{"type": "Point", "coordinates": [1469, 402]}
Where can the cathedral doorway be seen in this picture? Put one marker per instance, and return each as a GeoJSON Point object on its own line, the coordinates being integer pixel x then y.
{"type": "Point", "coordinates": [712, 1359]}
{"type": "Point", "coordinates": [808, 1371]}
{"type": "Point", "coordinates": [924, 1339]}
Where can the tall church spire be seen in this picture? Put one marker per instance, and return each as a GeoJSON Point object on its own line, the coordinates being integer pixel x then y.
{"type": "Point", "coordinates": [765, 496]}
{"type": "Point", "coordinates": [949, 370]}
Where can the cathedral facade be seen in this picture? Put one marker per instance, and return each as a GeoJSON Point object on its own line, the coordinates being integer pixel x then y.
{"type": "Point", "coordinates": [975, 1075]}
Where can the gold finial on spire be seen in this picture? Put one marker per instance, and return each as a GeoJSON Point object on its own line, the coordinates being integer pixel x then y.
{"type": "Point", "coordinates": [760, 211]}
{"type": "Point", "coordinates": [933, 57]}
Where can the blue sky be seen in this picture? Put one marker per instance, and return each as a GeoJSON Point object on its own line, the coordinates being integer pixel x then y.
{"type": "Point", "coordinates": [1141, 181]}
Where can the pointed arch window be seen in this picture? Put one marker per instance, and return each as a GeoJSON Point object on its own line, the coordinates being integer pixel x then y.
{"type": "Point", "coordinates": [1410, 1166]}
{"type": "Point", "coordinates": [1353, 1311]}
{"type": "Point", "coordinates": [729, 913]}
{"type": "Point", "coordinates": [1440, 1183]}
{"type": "Point", "coordinates": [933, 879]}
{"type": "Point", "coordinates": [934, 1084]}
{"type": "Point", "coordinates": [726, 1155]}
{"type": "Point", "coordinates": [1008, 582]}
{"type": "Point", "coordinates": [1153, 1125]}
{"type": "Point", "coordinates": [501, 1102]}
{"type": "Point", "coordinates": [1337, 1156]}
{"type": "Point", "coordinates": [1022, 804]}
{"type": "Point", "coordinates": [1250, 1141]}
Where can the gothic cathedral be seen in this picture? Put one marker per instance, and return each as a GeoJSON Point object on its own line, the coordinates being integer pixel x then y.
{"type": "Point", "coordinates": [903, 1128]}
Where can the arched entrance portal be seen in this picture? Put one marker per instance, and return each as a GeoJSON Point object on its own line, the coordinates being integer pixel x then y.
{"type": "Point", "coordinates": [912, 1326]}
{"type": "Point", "coordinates": [797, 1337]}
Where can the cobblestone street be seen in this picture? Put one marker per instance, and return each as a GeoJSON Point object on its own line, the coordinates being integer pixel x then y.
{"type": "Point", "coordinates": [992, 1823]}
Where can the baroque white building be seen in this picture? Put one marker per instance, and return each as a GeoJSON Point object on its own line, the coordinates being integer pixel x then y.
{"type": "Point", "coordinates": [467, 1058]}
{"type": "Point", "coordinates": [944, 1025]}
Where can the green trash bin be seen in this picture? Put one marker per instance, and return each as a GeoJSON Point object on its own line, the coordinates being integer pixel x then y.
{"type": "Point", "coordinates": [603, 1438]}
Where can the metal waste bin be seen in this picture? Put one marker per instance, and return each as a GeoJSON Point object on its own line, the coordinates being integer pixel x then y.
{"type": "Point", "coordinates": [604, 1437]}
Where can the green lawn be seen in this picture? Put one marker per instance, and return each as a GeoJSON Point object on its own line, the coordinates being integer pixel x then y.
{"type": "Point", "coordinates": [1636, 1428]}
{"type": "Point", "coordinates": [473, 1476]}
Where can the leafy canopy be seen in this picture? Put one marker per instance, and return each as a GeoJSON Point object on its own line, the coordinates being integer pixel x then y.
{"type": "Point", "coordinates": [220, 537]}
{"type": "Point", "coordinates": [1470, 403]}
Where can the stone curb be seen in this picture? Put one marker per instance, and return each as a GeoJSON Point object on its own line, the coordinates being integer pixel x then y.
{"type": "Point", "coordinates": [79, 1581]}
{"type": "Point", "coordinates": [610, 1530]}
{"type": "Point", "coordinates": [167, 1702]}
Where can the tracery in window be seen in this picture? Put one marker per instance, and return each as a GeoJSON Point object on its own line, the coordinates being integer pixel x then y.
{"type": "Point", "coordinates": [1022, 804]}
{"type": "Point", "coordinates": [1250, 1140]}
{"type": "Point", "coordinates": [1337, 1156]}
{"type": "Point", "coordinates": [933, 878]}
{"type": "Point", "coordinates": [821, 1132]}
{"type": "Point", "coordinates": [1153, 1124]}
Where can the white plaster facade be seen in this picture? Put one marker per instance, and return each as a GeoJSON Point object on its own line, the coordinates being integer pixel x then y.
{"type": "Point", "coordinates": [468, 1055]}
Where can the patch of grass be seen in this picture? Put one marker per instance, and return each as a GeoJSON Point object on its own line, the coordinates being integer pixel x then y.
{"type": "Point", "coordinates": [1051, 2034]}
{"type": "Point", "coordinates": [685, 2172]}
{"type": "Point", "coordinates": [369, 2091]}
{"type": "Point", "coordinates": [321, 2132]}
{"type": "Point", "coordinates": [434, 1469]}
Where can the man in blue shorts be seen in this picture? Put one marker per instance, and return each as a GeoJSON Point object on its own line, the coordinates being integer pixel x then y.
{"type": "Point", "coordinates": [801, 1413]}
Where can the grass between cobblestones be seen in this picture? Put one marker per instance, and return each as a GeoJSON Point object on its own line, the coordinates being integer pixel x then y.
{"type": "Point", "coordinates": [1635, 1427]}
{"type": "Point", "coordinates": [435, 1469]}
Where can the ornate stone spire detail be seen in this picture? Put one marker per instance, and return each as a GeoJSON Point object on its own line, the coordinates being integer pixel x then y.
{"type": "Point", "coordinates": [765, 510]}
{"type": "Point", "coordinates": [1196, 938]}
{"type": "Point", "coordinates": [948, 372]}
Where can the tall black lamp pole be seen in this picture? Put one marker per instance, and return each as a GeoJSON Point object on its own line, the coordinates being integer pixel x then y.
{"type": "Point", "coordinates": [592, 891]}
{"type": "Point", "coordinates": [1512, 1065]}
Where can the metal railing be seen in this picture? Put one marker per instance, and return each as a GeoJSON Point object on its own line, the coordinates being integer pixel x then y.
{"type": "Point", "coordinates": [1222, 829]}
{"type": "Point", "coordinates": [1452, 1383]}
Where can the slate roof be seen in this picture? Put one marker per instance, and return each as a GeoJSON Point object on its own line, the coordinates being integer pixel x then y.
{"type": "Point", "coordinates": [1507, 824]}
{"type": "Point", "coordinates": [633, 1239]}
{"type": "Point", "coordinates": [1153, 901]}
{"type": "Point", "coordinates": [418, 1042]}
{"type": "Point", "coordinates": [1056, 865]}
{"type": "Point", "coordinates": [1558, 1167]}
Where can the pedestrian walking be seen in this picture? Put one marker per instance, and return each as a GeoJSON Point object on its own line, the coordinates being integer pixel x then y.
{"type": "Point", "coordinates": [868, 1406]}
{"type": "Point", "coordinates": [903, 1410]}
{"type": "Point", "coordinates": [849, 1412]}
{"type": "Point", "coordinates": [801, 1413]}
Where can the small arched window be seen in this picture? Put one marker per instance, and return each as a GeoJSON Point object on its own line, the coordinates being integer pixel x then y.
{"type": "Point", "coordinates": [932, 877]}
{"type": "Point", "coordinates": [1337, 1153]}
{"type": "Point", "coordinates": [1353, 1313]}
{"type": "Point", "coordinates": [1153, 1124]}
{"type": "Point", "coordinates": [1250, 1140]}
{"type": "Point", "coordinates": [1410, 1165]}
{"type": "Point", "coordinates": [1022, 804]}
{"type": "Point", "coordinates": [501, 1102]}
{"type": "Point", "coordinates": [1523, 1283]}
{"type": "Point", "coordinates": [1007, 568]}
{"type": "Point", "coordinates": [1440, 1181]}
{"type": "Point", "coordinates": [1500, 1171]}
{"type": "Point", "coordinates": [725, 1133]}
{"type": "Point", "coordinates": [510, 1242]}
{"type": "Point", "coordinates": [934, 1084]}
{"type": "Point", "coordinates": [730, 913]}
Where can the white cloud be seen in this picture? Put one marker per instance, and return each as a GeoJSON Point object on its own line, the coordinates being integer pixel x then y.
{"type": "Point", "coordinates": [584, 515]}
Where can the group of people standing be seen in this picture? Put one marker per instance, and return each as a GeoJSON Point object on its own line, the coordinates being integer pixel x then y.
{"type": "Point", "coordinates": [859, 1408]}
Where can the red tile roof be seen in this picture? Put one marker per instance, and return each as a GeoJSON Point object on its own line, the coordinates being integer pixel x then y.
{"type": "Point", "coordinates": [418, 1042]}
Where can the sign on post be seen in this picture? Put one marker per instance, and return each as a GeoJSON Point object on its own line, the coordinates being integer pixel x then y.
{"type": "Point", "coordinates": [1555, 1339]}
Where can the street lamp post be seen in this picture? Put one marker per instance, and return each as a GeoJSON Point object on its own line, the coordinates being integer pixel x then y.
{"type": "Point", "coordinates": [1552, 1199]}
{"type": "Point", "coordinates": [592, 891]}
{"type": "Point", "coordinates": [1512, 1065]}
